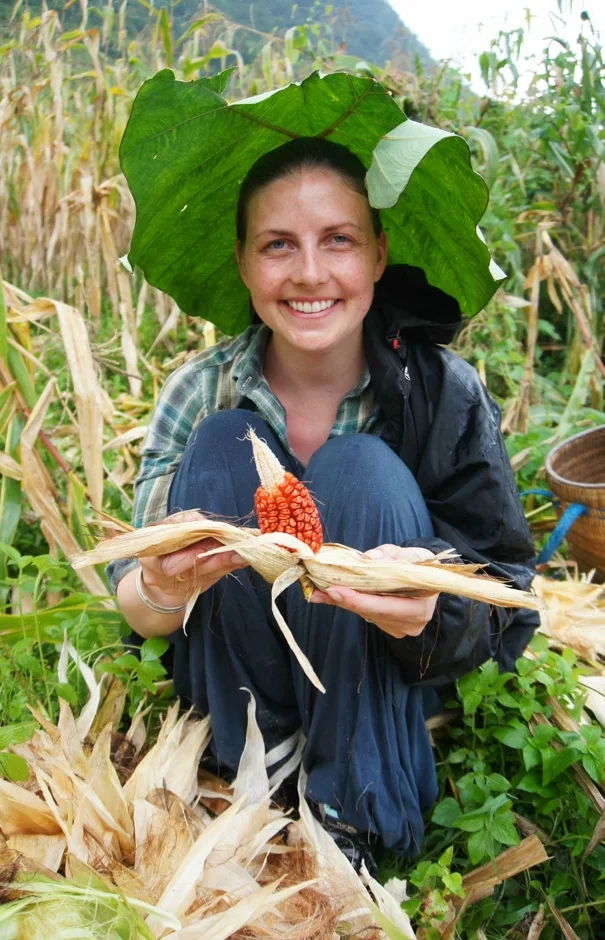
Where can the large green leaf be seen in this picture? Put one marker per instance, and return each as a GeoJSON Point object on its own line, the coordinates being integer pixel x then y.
{"type": "Point", "coordinates": [186, 150]}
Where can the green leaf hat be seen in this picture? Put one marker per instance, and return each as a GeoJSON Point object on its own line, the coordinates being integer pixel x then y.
{"type": "Point", "coordinates": [186, 151]}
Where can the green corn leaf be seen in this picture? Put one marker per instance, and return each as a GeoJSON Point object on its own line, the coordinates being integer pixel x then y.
{"type": "Point", "coordinates": [19, 370]}
{"type": "Point", "coordinates": [10, 502]}
{"type": "Point", "coordinates": [199, 26]}
{"type": "Point", "coordinates": [14, 627]}
{"type": "Point", "coordinates": [490, 151]}
{"type": "Point", "coordinates": [166, 34]}
{"type": "Point", "coordinates": [78, 504]}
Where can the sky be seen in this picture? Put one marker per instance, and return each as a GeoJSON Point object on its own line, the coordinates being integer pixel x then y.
{"type": "Point", "coordinates": [460, 30]}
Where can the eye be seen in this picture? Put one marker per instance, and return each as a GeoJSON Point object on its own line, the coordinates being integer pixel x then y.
{"type": "Point", "coordinates": [341, 239]}
{"type": "Point", "coordinates": [277, 244]}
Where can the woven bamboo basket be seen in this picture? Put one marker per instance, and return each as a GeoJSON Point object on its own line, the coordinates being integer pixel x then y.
{"type": "Point", "coordinates": [575, 471]}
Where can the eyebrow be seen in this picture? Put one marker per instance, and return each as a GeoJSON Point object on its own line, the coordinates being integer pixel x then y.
{"type": "Point", "coordinates": [328, 228]}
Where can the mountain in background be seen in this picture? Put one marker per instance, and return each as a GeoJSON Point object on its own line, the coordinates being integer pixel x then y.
{"type": "Point", "coordinates": [370, 29]}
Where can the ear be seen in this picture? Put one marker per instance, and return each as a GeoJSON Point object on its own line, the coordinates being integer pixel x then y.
{"type": "Point", "coordinates": [241, 263]}
{"type": "Point", "coordinates": [383, 253]}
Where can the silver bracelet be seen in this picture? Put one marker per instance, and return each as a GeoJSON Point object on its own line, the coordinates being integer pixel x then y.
{"type": "Point", "coordinates": [150, 604]}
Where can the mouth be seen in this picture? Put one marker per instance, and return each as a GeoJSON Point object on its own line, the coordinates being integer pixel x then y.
{"type": "Point", "coordinates": [311, 309]}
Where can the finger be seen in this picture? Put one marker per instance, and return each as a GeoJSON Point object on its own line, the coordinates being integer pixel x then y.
{"type": "Point", "coordinates": [219, 565]}
{"type": "Point", "coordinates": [176, 562]}
{"type": "Point", "coordinates": [381, 607]}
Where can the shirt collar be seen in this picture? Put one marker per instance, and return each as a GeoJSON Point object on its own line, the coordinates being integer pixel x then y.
{"type": "Point", "coordinates": [247, 369]}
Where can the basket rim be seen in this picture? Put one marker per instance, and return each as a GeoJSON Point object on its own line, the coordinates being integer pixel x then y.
{"type": "Point", "coordinates": [557, 477]}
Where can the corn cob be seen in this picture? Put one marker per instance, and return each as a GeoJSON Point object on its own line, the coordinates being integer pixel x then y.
{"type": "Point", "coordinates": [283, 503]}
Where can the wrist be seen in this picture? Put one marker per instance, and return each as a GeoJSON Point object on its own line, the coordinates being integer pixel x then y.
{"type": "Point", "coordinates": [154, 597]}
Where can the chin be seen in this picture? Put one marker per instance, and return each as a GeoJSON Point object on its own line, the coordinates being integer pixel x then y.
{"type": "Point", "coordinates": [314, 343]}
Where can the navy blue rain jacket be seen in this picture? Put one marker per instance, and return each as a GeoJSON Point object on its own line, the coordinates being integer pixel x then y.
{"type": "Point", "coordinates": [442, 422]}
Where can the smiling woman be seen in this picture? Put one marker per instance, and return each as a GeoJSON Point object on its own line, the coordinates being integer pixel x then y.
{"type": "Point", "coordinates": [399, 444]}
{"type": "Point", "coordinates": [310, 251]}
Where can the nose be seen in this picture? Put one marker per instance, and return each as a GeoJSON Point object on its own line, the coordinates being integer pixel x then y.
{"type": "Point", "coordinates": [310, 267]}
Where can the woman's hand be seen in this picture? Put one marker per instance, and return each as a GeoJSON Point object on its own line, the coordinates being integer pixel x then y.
{"type": "Point", "coordinates": [169, 580]}
{"type": "Point", "coordinates": [396, 615]}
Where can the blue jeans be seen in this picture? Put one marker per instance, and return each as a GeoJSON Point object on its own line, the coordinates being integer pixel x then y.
{"type": "Point", "coordinates": [367, 751]}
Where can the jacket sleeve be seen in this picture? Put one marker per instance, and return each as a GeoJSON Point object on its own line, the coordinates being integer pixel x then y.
{"type": "Point", "coordinates": [465, 476]}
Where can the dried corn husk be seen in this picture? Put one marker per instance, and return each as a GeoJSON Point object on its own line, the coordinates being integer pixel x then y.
{"type": "Point", "coordinates": [283, 559]}
{"type": "Point", "coordinates": [47, 850]}
{"type": "Point", "coordinates": [481, 882]}
{"type": "Point", "coordinates": [573, 614]}
{"type": "Point", "coordinates": [209, 877]}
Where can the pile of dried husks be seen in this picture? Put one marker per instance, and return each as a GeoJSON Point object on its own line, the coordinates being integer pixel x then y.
{"type": "Point", "coordinates": [88, 852]}
{"type": "Point", "coordinates": [573, 614]}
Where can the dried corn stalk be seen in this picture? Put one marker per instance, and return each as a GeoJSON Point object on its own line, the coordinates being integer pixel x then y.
{"type": "Point", "coordinates": [87, 391]}
{"type": "Point", "coordinates": [40, 490]}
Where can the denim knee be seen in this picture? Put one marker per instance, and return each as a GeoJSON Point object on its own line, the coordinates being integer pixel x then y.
{"type": "Point", "coordinates": [228, 429]}
{"type": "Point", "coordinates": [373, 469]}
{"type": "Point", "coordinates": [367, 495]}
{"type": "Point", "coordinates": [217, 473]}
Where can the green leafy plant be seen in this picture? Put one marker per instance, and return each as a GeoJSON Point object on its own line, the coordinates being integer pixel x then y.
{"type": "Point", "coordinates": [30, 645]}
{"type": "Point", "coordinates": [436, 884]}
{"type": "Point", "coordinates": [507, 769]}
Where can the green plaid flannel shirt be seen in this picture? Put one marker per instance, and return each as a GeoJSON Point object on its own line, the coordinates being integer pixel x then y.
{"type": "Point", "coordinates": [217, 379]}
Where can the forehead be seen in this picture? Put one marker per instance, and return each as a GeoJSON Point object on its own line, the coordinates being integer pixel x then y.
{"type": "Point", "coordinates": [307, 197]}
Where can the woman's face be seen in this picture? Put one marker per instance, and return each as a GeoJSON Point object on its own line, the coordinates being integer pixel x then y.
{"type": "Point", "coordinates": [311, 259]}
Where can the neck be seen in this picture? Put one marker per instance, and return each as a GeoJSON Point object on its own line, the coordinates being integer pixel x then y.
{"type": "Point", "coordinates": [336, 370]}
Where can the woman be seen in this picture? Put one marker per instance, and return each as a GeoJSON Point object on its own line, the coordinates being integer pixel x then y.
{"type": "Point", "coordinates": [400, 445]}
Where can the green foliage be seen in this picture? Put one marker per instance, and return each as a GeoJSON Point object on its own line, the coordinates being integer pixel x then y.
{"type": "Point", "coordinates": [509, 769]}
{"type": "Point", "coordinates": [436, 885]}
{"type": "Point", "coordinates": [30, 644]}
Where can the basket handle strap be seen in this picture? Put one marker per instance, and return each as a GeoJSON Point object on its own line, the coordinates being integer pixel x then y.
{"type": "Point", "coordinates": [573, 512]}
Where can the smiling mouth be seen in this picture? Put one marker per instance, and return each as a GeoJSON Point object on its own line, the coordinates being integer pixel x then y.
{"type": "Point", "coordinates": [317, 306]}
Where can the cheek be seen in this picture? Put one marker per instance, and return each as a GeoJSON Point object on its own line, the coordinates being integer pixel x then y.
{"type": "Point", "coordinates": [266, 279]}
{"type": "Point", "coordinates": [358, 274]}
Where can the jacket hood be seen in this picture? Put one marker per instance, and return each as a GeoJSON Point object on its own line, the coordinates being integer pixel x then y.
{"type": "Point", "coordinates": [406, 302]}
{"type": "Point", "coordinates": [407, 313]}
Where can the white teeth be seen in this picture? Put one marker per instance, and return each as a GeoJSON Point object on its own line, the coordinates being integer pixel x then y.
{"type": "Point", "coordinates": [316, 307]}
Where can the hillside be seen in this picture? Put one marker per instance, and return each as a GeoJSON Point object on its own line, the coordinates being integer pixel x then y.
{"type": "Point", "coordinates": [367, 28]}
